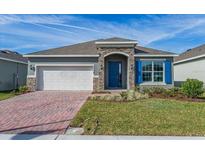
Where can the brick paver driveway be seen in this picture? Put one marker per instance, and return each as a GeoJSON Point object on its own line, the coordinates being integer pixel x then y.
{"type": "Point", "coordinates": [40, 112]}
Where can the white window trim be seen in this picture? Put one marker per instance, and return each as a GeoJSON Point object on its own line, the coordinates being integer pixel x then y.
{"type": "Point", "coordinates": [152, 82]}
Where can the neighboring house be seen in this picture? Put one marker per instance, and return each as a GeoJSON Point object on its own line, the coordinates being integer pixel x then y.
{"type": "Point", "coordinates": [190, 64]}
{"type": "Point", "coordinates": [13, 70]}
{"type": "Point", "coordinates": [104, 64]}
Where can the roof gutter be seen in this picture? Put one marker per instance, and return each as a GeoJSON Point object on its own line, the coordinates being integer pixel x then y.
{"type": "Point", "coordinates": [189, 59]}
{"type": "Point", "coordinates": [154, 55]}
{"type": "Point", "coordinates": [11, 60]}
{"type": "Point", "coordinates": [60, 55]}
{"type": "Point", "coordinates": [137, 55]}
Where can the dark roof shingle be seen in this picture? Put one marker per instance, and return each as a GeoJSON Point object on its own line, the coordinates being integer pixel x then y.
{"type": "Point", "coordinates": [76, 49]}
{"type": "Point", "coordinates": [145, 50]}
{"type": "Point", "coordinates": [191, 53]}
{"type": "Point", "coordinates": [7, 54]}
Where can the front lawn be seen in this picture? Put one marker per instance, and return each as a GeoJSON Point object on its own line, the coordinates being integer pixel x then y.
{"type": "Point", "coordinates": [144, 117]}
{"type": "Point", "coordinates": [6, 95]}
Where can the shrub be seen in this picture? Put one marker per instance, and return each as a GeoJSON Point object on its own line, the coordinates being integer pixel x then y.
{"type": "Point", "coordinates": [137, 88]}
{"type": "Point", "coordinates": [139, 95]}
{"type": "Point", "coordinates": [109, 97]}
{"type": "Point", "coordinates": [152, 91]}
{"type": "Point", "coordinates": [101, 98]}
{"type": "Point", "coordinates": [23, 90]}
{"type": "Point", "coordinates": [163, 92]}
{"type": "Point", "coordinates": [92, 97]}
{"type": "Point", "coordinates": [192, 88]}
{"type": "Point", "coordinates": [173, 92]}
{"type": "Point", "coordinates": [117, 98]}
{"type": "Point", "coordinates": [159, 90]}
{"type": "Point", "coordinates": [124, 95]}
{"type": "Point", "coordinates": [130, 95]}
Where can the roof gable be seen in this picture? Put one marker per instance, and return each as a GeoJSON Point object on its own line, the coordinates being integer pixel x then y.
{"type": "Point", "coordinates": [117, 39]}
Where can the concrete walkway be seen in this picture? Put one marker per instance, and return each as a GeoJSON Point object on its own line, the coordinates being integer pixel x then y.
{"type": "Point", "coordinates": [89, 137]}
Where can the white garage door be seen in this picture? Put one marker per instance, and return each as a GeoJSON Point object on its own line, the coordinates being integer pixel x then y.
{"type": "Point", "coordinates": [65, 78]}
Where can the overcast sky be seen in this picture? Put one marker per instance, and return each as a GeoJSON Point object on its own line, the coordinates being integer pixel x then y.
{"type": "Point", "coordinates": [28, 33]}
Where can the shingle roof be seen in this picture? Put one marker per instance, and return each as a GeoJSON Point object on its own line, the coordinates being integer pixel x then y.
{"type": "Point", "coordinates": [7, 54]}
{"type": "Point", "coordinates": [76, 49]}
{"type": "Point", "coordinates": [89, 48]}
{"type": "Point", "coordinates": [145, 50]}
{"type": "Point", "coordinates": [191, 53]}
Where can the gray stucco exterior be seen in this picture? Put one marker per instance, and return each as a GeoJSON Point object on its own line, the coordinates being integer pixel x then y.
{"type": "Point", "coordinates": [191, 69]}
{"type": "Point", "coordinates": [98, 85]}
{"type": "Point", "coordinates": [9, 71]}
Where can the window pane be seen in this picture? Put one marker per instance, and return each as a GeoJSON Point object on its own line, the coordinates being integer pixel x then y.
{"type": "Point", "coordinates": [147, 76]}
{"type": "Point", "coordinates": [158, 66]}
{"type": "Point", "coordinates": [147, 66]}
{"type": "Point", "coordinates": [158, 76]}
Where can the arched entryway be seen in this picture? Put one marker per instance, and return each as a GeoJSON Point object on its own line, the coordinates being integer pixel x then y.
{"type": "Point", "coordinates": [116, 75]}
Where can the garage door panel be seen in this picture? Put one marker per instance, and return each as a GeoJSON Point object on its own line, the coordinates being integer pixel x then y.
{"type": "Point", "coordinates": [65, 78]}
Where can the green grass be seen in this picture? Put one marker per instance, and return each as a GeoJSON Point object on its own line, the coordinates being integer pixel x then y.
{"type": "Point", "coordinates": [6, 95]}
{"type": "Point", "coordinates": [145, 117]}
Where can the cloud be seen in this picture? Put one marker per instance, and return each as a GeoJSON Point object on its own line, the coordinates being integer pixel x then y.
{"type": "Point", "coordinates": [56, 30]}
{"type": "Point", "coordinates": [93, 29]}
{"type": "Point", "coordinates": [170, 26]}
{"type": "Point", "coordinates": [38, 19]}
{"type": "Point", "coordinates": [28, 46]}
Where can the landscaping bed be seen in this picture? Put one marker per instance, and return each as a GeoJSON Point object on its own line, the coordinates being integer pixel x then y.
{"type": "Point", "coordinates": [142, 117]}
{"type": "Point", "coordinates": [180, 98]}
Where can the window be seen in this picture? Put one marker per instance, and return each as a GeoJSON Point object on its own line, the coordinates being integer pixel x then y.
{"type": "Point", "coordinates": [147, 71]}
{"type": "Point", "coordinates": [152, 71]}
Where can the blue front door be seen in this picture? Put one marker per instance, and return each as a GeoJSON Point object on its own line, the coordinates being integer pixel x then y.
{"type": "Point", "coordinates": [115, 74]}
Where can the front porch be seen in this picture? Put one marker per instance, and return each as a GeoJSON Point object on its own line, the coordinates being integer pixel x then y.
{"type": "Point", "coordinates": [116, 69]}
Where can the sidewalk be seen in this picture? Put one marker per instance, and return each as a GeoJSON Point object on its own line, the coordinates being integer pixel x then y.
{"type": "Point", "coordinates": [91, 137]}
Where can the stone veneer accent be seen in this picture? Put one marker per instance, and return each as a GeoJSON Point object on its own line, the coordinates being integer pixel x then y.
{"type": "Point", "coordinates": [130, 62]}
{"type": "Point", "coordinates": [31, 83]}
{"type": "Point", "coordinates": [95, 83]}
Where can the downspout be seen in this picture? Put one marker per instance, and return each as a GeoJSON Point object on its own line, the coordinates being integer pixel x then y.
{"type": "Point", "coordinates": [17, 77]}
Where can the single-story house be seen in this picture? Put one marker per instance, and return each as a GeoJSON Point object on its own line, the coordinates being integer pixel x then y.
{"type": "Point", "coordinates": [190, 64]}
{"type": "Point", "coordinates": [104, 64]}
{"type": "Point", "coordinates": [13, 68]}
